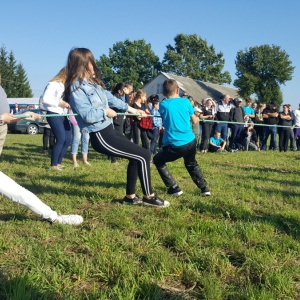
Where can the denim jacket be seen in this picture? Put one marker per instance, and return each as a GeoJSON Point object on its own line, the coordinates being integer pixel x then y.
{"type": "Point", "coordinates": [90, 102]}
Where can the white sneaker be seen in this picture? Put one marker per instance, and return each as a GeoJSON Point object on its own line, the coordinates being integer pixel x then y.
{"type": "Point", "coordinates": [69, 219]}
{"type": "Point", "coordinates": [75, 165]}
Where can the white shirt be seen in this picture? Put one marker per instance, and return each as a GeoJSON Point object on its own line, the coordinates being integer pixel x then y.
{"type": "Point", "coordinates": [52, 96]}
{"type": "Point", "coordinates": [297, 117]}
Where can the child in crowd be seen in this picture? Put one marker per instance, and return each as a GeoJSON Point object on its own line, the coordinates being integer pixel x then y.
{"type": "Point", "coordinates": [157, 125]}
{"type": "Point", "coordinates": [216, 143]}
{"type": "Point", "coordinates": [178, 140]}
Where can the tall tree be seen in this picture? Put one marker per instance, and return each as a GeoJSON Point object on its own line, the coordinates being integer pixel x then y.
{"type": "Point", "coordinates": [193, 57]}
{"type": "Point", "coordinates": [261, 70]}
{"type": "Point", "coordinates": [129, 61]}
{"type": "Point", "coordinates": [13, 75]}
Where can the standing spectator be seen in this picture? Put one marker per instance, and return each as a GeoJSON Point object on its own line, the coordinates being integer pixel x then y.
{"type": "Point", "coordinates": [222, 114]}
{"type": "Point", "coordinates": [128, 90]}
{"type": "Point", "coordinates": [157, 125]}
{"type": "Point", "coordinates": [179, 139]}
{"type": "Point", "coordinates": [118, 91]}
{"type": "Point", "coordinates": [78, 135]}
{"type": "Point", "coordinates": [208, 113]}
{"type": "Point", "coordinates": [60, 125]}
{"type": "Point", "coordinates": [248, 109]}
{"type": "Point", "coordinates": [285, 119]}
{"type": "Point", "coordinates": [48, 139]}
{"type": "Point", "coordinates": [270, 116]}
{"type": "Point", "coordinates": [292, 135]}
{"type": "Point", "coordinates": [297, 126]}
{"type": "Point", "coordinates": [195, 127]}
{"type": "Point", "coordinates": [257, 121]}
{"type": "Point", "coordinates": [4, 108]}
{"type": "Point", "coordinates": [254, 105]}
{"type": "Point", "coordinates": [236, 115]}
{"type": "Point", "coordinates": [88, 98]}
{"type": "Point", "coordinates": [16, 109]}
{"type": "Point", "coordinates": [140, 99]}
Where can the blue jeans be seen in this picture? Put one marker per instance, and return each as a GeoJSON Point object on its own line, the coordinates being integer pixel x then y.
{"type": "Point", "coordinates": [223, 129]}
{"type": "Point", "coordinates": [155, 134]}
{"type": "Point", "coordinates": [77, 135]}
{"type": "Point", "coordinates": [235, 137]}
{"type": "Point", "coordinates": [62, 131]}
{"type": "Point", "coordinates": [269, 130]}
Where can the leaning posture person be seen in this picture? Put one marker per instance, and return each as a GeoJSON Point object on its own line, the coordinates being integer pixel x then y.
{"type": "Point", "coordinates": [16, 193]}
{"type": "Point", "coordinates": [88, 98]}
{"type": "Point", "coordinates": [178, 140]}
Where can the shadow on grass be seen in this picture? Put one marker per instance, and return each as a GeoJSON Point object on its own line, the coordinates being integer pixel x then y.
{"type": "Point", "coordinates": [21, 288]}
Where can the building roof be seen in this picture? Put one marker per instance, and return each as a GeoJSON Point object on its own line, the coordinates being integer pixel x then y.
{"type": "Point", "coordinates": [200, 90]}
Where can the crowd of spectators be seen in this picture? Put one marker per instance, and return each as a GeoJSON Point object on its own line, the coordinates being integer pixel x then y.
{"type": "Point", "coordinates": [237, 124]}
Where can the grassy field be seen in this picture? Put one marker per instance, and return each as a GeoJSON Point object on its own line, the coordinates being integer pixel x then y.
{"type": "Point", "coordinates": [243, 242]}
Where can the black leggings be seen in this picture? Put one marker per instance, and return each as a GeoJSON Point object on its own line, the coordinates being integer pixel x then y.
{"type": "Point", "coordinates": [113, 143]}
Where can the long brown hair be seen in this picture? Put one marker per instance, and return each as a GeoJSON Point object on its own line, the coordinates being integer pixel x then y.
{"type": "Point", "coordinates": [78, 69]}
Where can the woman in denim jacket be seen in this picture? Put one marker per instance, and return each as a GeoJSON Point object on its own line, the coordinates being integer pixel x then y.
{"type": "Point", "coordinates": [88, 98]}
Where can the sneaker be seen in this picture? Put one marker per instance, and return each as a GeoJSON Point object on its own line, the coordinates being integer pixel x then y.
{"type": "Point", "coordinates": [175, 191]}
{"type": "Point", "coordinates": [205, 192]}
{"type": "Point", "coordinates": [69, 219]}
{"type": "Point", "coordinates": [87, 163]}
{"type": "Point", "coordinates": [135, 200]}
{"type": "Point", "coordinates": [55, 168]}
{"type": "Point", "coordinates": [75, 165]}
{"type": "Point", "coordinates": [155, 201]}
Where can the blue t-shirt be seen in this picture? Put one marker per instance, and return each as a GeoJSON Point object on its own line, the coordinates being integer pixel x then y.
{"type": "Point", "coordinates": [248, 111]}
{"type": "Point", "coordinates": [176, 114]}
{"type": "Point", "coordinates": [216, 141]}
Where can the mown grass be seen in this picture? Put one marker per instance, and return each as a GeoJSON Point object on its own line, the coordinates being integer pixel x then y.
{"type": "Point", "coordinates": [240, 243]}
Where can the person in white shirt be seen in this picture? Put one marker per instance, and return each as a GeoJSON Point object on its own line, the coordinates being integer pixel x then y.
{"type": "Point", "coordinates": [60, 125]}
{"type": "Point", "coordinates": [297, 126]}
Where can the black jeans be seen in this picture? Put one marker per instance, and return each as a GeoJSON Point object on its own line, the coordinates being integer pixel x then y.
{"type": "Point", "coordinates": [171, 153]}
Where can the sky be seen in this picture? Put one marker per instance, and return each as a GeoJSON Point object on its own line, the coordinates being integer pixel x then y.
{"type": "Point", "coordinates": [41, 33]}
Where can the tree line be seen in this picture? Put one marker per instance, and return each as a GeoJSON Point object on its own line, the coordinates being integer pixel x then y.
{"type": "Point", "coordinates": [260, 70]}
{"type": "Point", "coordinates": [13, 76]}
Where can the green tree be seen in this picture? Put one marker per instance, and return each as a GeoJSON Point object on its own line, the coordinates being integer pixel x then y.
{"type": "Point", "coordinates": [13, 76]}
{"type": "Point", "coordinates": [129, 61]}
{"type": "Point", "coordinates": [191, 56]}
{"type": "Point", "coordinates": [261, 70]}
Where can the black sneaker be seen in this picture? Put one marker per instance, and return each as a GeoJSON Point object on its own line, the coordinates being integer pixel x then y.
{"type": "Point", "coordinates": [205, 192]}
{"type": "Point", "coordinates": [176, 191]}
{"type": "Point", "coordinates": [135, 200]}
{"type": "Point", "coordinates": [155, 201]}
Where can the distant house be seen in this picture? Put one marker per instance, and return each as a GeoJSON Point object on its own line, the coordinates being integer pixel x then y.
{"type": "Point", "coordinates": [197, 89]}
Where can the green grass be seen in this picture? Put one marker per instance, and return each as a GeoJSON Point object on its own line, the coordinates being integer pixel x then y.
{"type": "Point", "coordinates": [243, 242]}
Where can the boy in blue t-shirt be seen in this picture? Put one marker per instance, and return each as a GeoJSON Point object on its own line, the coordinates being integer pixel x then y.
{"type": "Point", "coordinates": [178, 139]}
{"type": "Point", "coordinates": [216, 143]}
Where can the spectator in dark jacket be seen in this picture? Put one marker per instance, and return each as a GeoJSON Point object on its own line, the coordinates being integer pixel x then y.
{"type": "Point", "coordinates": [285, 119]}
{"type": "Point", "coordinates": [270, 116]}
{"type": "Point", "coordinates": [236, 115]}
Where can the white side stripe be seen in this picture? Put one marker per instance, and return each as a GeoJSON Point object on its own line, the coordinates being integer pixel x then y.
{"type": "Point", "coordinates": [145, 178]}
